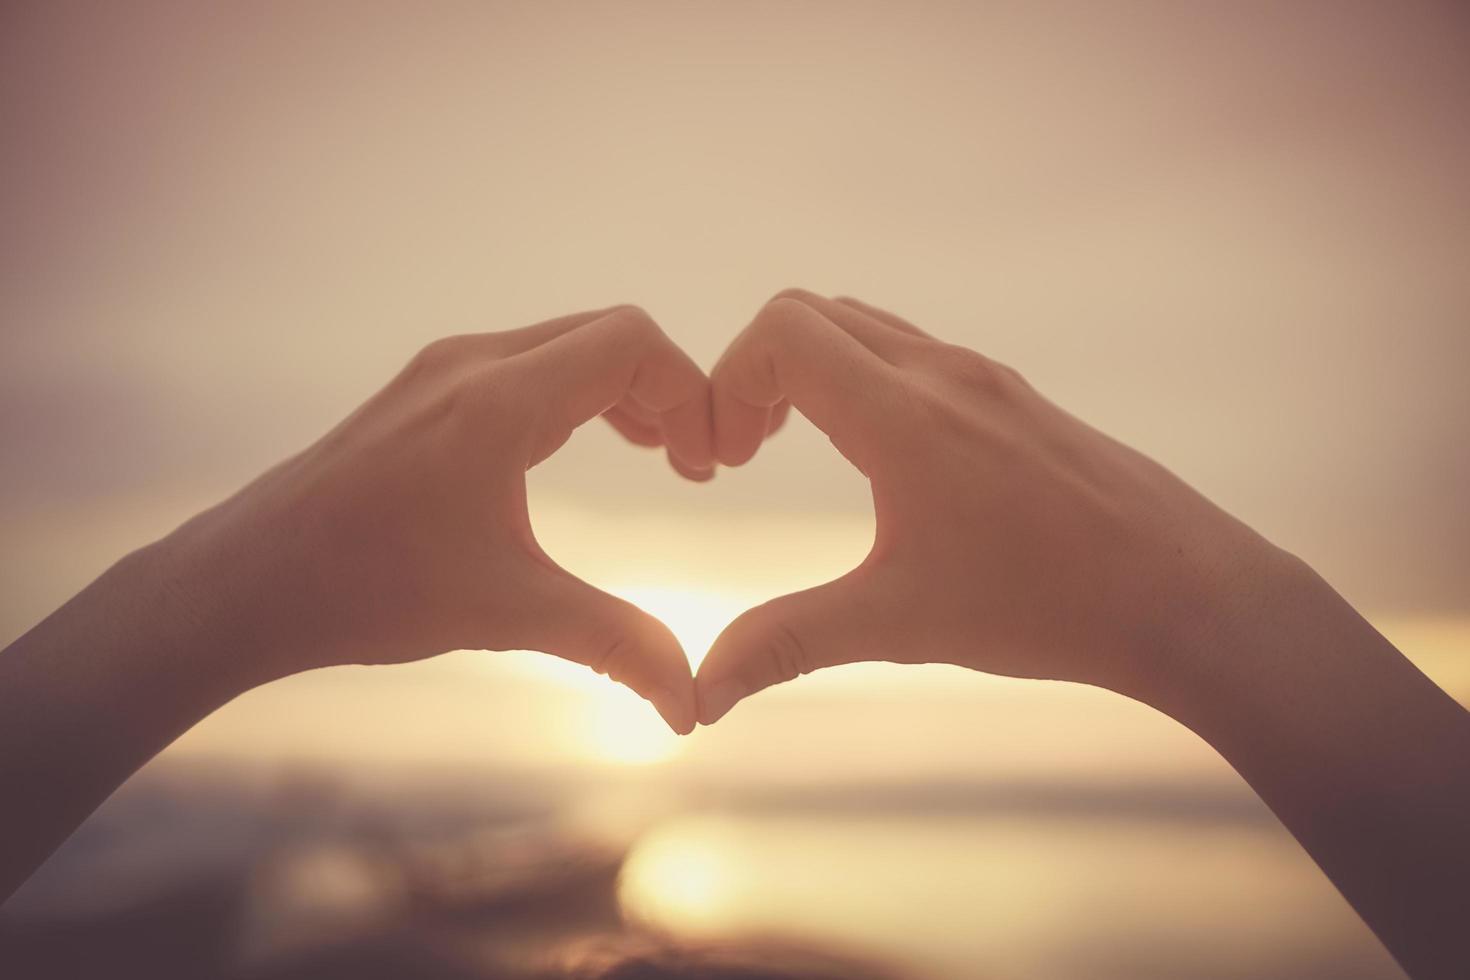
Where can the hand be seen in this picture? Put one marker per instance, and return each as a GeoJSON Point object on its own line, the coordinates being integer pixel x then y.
{"type": "Point", "coordinates": [403, 533]}
{"type": "Point", "coordinates": [1011, 537]}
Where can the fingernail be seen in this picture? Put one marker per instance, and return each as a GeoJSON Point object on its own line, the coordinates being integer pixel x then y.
{"type": "Point", "coordinates": [719, 699]}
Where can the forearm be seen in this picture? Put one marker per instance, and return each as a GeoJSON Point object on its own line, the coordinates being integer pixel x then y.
{"type": "Point", "coordinates": [1361, 756]}
{"type": "Point", "coordinates": [92, 693]}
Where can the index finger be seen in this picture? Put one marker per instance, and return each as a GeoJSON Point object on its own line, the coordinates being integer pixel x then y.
{"type": "Point", "coordinates": [585, 372]}
{"type": "Point", "coordinates": [791, 351]}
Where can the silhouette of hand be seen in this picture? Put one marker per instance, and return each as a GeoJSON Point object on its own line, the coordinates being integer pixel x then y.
{"type": "Point", "coordinates": [1011, 537]}
{"type": "Point", "coordinates": [403, 533]}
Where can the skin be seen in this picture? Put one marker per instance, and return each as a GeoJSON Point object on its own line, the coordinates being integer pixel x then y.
{"type": "Point", "coordinates": [401, 534]}
{"type": "Point", "coordinates": [1011, 538]}
{"type": "Point", "coordinates": [1014, 539]}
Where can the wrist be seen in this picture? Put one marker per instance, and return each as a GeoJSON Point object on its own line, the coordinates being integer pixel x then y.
{"type": "Point", "coordinates": [1230, 633]}
{"type": "Point", "coordinates": [1280, 666]}
{"type": "Point", "coordinates": [200, 604]}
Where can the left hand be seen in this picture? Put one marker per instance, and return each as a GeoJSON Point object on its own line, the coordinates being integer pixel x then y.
{"type": "Point", "coordinates": [404, 532]}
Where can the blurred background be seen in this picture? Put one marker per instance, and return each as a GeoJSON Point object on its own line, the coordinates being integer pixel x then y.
{"type": "Point", "coordinates": [1236, 236]}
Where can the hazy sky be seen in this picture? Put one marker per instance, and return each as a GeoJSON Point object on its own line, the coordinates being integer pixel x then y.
{"type": "Point", "coordinates": [1234, 235]}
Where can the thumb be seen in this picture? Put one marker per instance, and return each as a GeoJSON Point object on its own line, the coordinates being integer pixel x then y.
{"type": "Point", "coordinates": [842, 622]}
{"type": "Point", "coordinates": [566, 617]}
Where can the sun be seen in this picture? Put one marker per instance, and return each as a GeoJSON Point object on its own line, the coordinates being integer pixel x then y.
{"type": "Point", "coordinates": [608, 724]}
{"type": "Point", "coordinates": [620, 729]}
{"type": "Point", "coordinates": [695, 617]}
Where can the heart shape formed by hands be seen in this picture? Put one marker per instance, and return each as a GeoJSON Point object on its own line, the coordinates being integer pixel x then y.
{"type": "Point", "coordinates": [1010, 537]}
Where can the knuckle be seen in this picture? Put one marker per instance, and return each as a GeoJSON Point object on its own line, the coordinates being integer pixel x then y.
{"type": "Point", "coordinates": [627, 309]}
{"type": "Point", "coordinates": [974, 371]}
{"type": "Point", "coordinates": [789, 655]}
{"type": "Point", "coordinates": [425, 362]}
{"type": "Point", "coordinates": [780, 316]}
{"type": "Point", "coordinates": [796, 293]}
{"type": "Point", "coordinates": [786, 307]}
{"type": "Point", "coordinates": [613, 658]}
{"type": "Point", "coordinates": [439, 357]}
{"type": "Point", "coordinates": [943, 414]}
{"type": "Point", "coordinates": [1016, 377]}
{"type": "Point", "coordinates": [469, 400]}
{"type": "Point", "coordinates": [633, 322]}
{"type": "Point", "coordinates": [445, 350]}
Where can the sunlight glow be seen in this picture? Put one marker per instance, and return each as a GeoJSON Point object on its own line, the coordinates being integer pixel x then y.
{"type": "Point", "coordinates": [620, 728]}
{"type": "Point", "coordinates": [624, 729]}
{"type": "Point", "coordinates": [684, 879]}
{"type": "Point", "coordinates": [696, 617]}
{"type": "Point", "coordinates": [606, 722]}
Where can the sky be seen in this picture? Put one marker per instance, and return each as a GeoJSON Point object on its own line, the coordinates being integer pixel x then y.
{"type": "Point", "coordinates": [1235, 236]}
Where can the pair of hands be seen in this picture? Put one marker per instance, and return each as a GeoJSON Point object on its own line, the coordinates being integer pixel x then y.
{"type": "Point", "coordinates": [1011, 537]}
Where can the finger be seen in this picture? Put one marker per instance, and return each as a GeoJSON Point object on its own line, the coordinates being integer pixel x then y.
{"type": "Point", "coordinates": [568, 618]}
{"type": "Point", "coordinates": [508, 343]}
{"type": "Point", "coordinates": [629, 419]}
{"type": "Point", "coordinates": [779, 413]}
{"type": "Point", "coordinates": [699, 474]}
{"type": "Point", "coordinates": [894, 346]}
{"type": "Point", "coordinates": [635, 431]}
{"type": "Point", "coordinates": [633, 408]}
{"type": "Point", "coordinates": [460, 355]}
{"type": "Point", "coordinates": [792, 352]}
{"type": "Point", "coordinates": [624, 354]}
{"type": "Point", "coordinates": [844, 621]}
{"type": "Point", "coordinates": [935, 346]}
{"type": "Point", "coordinates": [640, 433]}
{"type": "Point", "coordinates": [892, 319]}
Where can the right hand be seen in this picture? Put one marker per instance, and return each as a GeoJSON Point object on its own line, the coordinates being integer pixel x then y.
{"type": "Point", "coordinates": [1011, 537]}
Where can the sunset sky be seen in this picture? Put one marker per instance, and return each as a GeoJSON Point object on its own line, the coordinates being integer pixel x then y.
{"type": "Point", "coordinates": [1235, 236]}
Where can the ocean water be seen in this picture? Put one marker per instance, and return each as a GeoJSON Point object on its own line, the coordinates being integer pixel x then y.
{"type": "Point", "coordinates": [941, 823]}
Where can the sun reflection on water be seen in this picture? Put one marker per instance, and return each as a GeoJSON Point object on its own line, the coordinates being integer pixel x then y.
{"type": "Point", "coordinates": [681, 878]}
{"type": "Point", "coordinates": [976, 895]}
